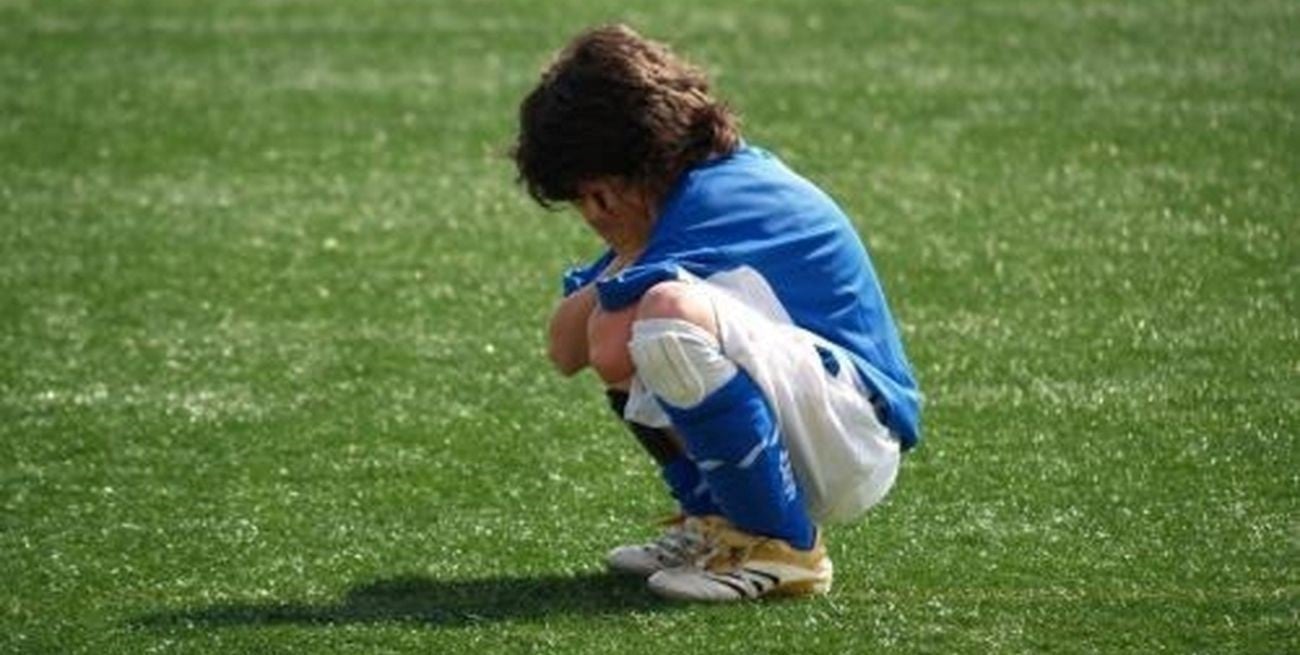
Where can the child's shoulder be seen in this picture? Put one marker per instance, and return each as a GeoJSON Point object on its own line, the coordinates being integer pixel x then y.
{"type": "Point", "coordinates": [750, 178]}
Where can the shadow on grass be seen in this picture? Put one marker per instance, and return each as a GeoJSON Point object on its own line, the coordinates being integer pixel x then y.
{"type": "Point", "coordinates": [432, 602]}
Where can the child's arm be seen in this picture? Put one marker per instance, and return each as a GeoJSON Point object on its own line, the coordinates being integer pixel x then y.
{"type": "Point", "coordinates": [567, 342]}
{"type": "Point", "coordinates": [608, 335]}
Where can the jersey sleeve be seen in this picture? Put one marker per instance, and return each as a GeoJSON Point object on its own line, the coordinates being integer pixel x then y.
{"type": "Point", "coordinates": [662, 263]}
{"type": "Point", "coordinates": [627, 286]}
{"type": "Point", "coordinates": [577, 277]}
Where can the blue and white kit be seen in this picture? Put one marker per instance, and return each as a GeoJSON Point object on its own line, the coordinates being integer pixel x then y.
{"type": "Point", "coordinates": [801, 315]}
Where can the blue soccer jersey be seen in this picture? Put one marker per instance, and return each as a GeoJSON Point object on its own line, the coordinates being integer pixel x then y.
{"type": "Point", "coordinates": [748, 213]}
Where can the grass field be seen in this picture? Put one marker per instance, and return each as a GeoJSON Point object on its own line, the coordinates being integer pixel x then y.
{"type": "Point", "coordinates": [271, 305]}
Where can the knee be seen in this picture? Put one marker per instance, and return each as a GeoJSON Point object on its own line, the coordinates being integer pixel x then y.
{"type": "Point", "coordinates": [678, 300]}
{"type": "Point", "coordinates": [608, 334]}
{"type": "Point", "coordinates": [679, 361]}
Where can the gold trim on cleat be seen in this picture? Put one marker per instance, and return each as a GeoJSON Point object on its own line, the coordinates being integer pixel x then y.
{"type": "Point", "coordinates": [741, 566]}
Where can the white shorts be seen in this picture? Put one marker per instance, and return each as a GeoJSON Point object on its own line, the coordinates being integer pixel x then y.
{"type": "Point", "coordinates": [844, 458]}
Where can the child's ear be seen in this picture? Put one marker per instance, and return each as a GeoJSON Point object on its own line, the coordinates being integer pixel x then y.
{"type": "Point", "coordinates": [602, 198]}
{"type": "Point", "coordinates": [599, 193]}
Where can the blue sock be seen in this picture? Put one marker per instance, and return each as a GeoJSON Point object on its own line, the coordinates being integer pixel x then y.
{"type": "Point", "coordinates": [688, 487]}
{"type": "Point", "coordinates": [678, 471]}
{"type": "Point", "coordinates": [733, 438]}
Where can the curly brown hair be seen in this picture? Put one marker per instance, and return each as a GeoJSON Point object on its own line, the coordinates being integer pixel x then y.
{"type": "Point", "coordinates": [614, 103]}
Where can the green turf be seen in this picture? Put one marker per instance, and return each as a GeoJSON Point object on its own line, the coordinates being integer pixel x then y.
{"type": "Point", "coordinates": [270, 314]}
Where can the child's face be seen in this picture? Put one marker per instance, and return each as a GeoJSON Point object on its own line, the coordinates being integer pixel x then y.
{"type": "Point", "coordinates": [620, 212]}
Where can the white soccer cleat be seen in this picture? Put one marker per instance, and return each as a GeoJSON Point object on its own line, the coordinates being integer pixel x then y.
{"type": "Point", "coordinates": [741, 566]}
{"type": "Point", "coordinates": [681, 543]}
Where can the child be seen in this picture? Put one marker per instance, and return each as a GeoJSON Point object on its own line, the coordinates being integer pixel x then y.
{"type": "Point", "coordinates": [735, 319]}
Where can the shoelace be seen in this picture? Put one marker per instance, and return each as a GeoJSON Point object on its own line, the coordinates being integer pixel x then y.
{"type": "Point", "coordinates": [682, 543]}
{"type": "Point", "coordinates": [723, 549]}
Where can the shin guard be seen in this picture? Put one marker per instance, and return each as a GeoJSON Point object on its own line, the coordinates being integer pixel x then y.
{"type": "Point", "coordinates": [729, 429]}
